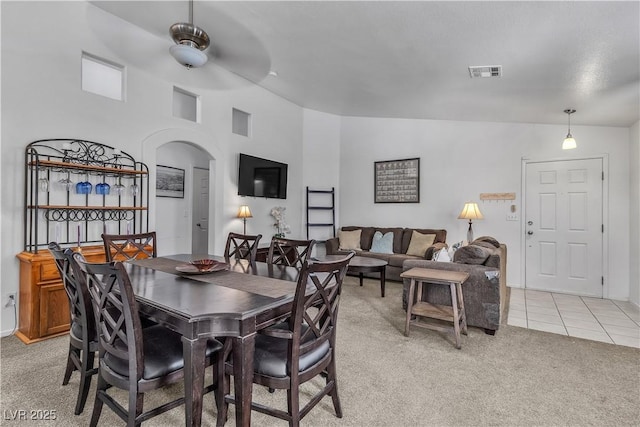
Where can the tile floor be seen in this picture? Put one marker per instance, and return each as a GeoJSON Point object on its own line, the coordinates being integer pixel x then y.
{"type": "Point", "coordinates": [615, 322]}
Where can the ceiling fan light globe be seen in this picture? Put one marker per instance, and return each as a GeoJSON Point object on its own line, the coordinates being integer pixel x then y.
{"type": "Point", "coordinates": [188, 56]}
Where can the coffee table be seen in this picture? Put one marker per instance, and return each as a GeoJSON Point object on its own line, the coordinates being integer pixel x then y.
{"type": "Point", "coordinates": [361, 265]}
{"type": "Point", "coordinates": [454, 313]}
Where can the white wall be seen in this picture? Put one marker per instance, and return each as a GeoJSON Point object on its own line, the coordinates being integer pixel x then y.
{"type": "Point", "coordinates": [321, 166]}
{"type": "Point", "coordinates": [41, 98]}
{"type": "Point", "coordinates": [460, 160]}
{"type": "Point", "coordinates": [634, 214]}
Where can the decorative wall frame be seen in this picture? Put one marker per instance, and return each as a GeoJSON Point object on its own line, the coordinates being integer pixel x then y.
{"type": "Point", "coordinates": [397, 181]}
{"type": "Point", "coordinates": [169, 182]}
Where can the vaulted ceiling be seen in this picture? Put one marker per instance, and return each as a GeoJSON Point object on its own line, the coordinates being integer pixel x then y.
{"type": "Point", "coordinates": [406, 59]}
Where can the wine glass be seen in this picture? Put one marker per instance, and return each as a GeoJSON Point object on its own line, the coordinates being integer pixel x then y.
{"type": "Point", "coordinates": [43, 184]}
{"type": "Point", "coordinates": [66, 183]}
{"type": "Point", "coordinates": [134, 189]}
{"type": "Point", "coordinates": [118, 188]}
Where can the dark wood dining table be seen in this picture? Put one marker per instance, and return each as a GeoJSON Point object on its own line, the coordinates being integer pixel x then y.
{"type": "Point", "coordinates": [233, 303]}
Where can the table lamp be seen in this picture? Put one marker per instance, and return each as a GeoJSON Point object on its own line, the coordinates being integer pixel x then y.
{"type": "Point", "coordinates": [470, 211]}
{"type": "Point", "coordinates": [244, 213]}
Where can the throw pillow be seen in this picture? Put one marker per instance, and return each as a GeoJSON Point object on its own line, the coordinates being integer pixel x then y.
{"type": "Point", "coordinates": [442, 255]}
{"type": "Point", "coordinates": [420, 243]}
{"type": "Point", "coordinates": [382, 243]}
{"type": "Point", "coordinates": [349, 240]}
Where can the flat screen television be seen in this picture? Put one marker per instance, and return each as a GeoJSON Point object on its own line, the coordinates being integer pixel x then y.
{"type": "Point", "coordinates": [261, 177]}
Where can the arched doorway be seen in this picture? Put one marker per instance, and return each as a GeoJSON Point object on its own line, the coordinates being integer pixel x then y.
{"type": "Point", "coordinates": [158, 146]}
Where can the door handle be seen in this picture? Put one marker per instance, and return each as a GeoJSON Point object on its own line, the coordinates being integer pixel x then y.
{"type": "Point", "coordinates": [198, 224]}
{"type": "Point", "coordinates": [529, 232]}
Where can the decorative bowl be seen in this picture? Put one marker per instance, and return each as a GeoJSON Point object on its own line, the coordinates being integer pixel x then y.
{"type": "Point", "coordinates": [204, 264]}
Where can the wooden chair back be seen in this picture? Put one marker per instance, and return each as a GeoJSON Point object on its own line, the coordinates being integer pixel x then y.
{"type": "Point", "coordinates": [315, 309]}
{"type": "Point", "coordinates": [122, 247]}
{"type": "Point", "coordinates": [242, 246]}
{"type": "Point", "coordinates": [75, 286]}
{"type": "Point", "coordinates": [289, 251]}
{"type": "Point", "coordinates": [118, 322]}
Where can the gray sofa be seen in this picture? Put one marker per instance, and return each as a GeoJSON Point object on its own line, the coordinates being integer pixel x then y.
{"type": "Point", "coordinates": [485, 292]}
{"type": "Point", "coordinates": [401, 240]}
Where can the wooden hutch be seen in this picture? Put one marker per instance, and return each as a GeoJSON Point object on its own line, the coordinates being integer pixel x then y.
{"type": "Point", "coordinates": [75, 190]}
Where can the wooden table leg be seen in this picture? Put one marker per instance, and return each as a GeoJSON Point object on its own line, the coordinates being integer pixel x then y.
{"type": "Point", "coordinates": [243, 351]}
{"type": "Point", "coordinates": [463, 311]}
{"type": "Point", "coordinates": [194, 367]}
{"type": "Point", "coordinates": [456, 314]}
{"type": "Point", "coordinates": [382, 280]}
{"type": "Point", "coordinates": [361, 275]}
{"type": "Point", "coordinates": [409, 306]}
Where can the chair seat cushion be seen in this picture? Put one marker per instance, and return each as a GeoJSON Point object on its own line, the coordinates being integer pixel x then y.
{"type": "Point", "coordinates": [270, 356]}
{"type": "Point", "coordinates": [162, 353]}
{"type": "Point", "coordinates": [76, 330]}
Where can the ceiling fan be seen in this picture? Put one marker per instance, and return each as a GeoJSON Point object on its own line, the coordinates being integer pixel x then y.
{"type": "Point", "coordinates": [227, 56]}
{"type": "Point", "coordinates": [191, 41]}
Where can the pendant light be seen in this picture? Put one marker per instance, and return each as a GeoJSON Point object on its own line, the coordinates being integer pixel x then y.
{"type": "Point", "coordinates": [569, 142]}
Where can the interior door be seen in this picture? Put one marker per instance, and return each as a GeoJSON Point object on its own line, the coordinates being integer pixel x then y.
{"type": "Point", "coordinates": [563, 226]}
{"type": "Point", "coordinates": [200, 231]}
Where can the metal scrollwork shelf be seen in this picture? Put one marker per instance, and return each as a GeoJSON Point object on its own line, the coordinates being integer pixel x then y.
{"type": "Point", "coordinates": [77, 189]}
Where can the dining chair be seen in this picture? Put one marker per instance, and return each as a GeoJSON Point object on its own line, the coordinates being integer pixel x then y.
{"type": "Point", "coordinates": [289, 251]}
{"type": "Point", "coordinates": [83, 343]}
{"type": "Point", "coordinates": [242, 246]}
{"type": "Point", "coordinates": [121, 247]}
{"type": "Point", "coordinates": [130, 357]}
{"type": "Point", "coordinates": [298, 349]}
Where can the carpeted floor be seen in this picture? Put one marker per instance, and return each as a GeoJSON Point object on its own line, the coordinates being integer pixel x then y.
{"type": "Point", "coordinates": [518, 377]}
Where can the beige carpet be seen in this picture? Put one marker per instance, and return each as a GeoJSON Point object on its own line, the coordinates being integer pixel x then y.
{"type": "Point", "coordinates": [518, 377]}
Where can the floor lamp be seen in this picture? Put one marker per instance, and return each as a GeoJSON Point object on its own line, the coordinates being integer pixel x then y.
{"type": "Point", "coordinates": [244, 213]}
{"type": "Point", "coordinates": [470, 211]}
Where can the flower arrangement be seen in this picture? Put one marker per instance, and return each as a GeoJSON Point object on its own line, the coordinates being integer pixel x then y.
{"type": "Point", "coordinates": [280, 225]}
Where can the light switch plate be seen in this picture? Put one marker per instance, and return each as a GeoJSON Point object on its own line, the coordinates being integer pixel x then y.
{"type": "Point", "coordinates": [512, 217]}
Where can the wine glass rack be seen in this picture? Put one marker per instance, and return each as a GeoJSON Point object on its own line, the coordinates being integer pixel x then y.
{"type": "Point", "coordinates": [71, 197]}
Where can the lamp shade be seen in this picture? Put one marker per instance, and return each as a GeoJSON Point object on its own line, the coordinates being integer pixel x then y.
{"type": "Point", "coordinates": [244, 212]}
{"type": "Point", "coordinates": [470, 211]}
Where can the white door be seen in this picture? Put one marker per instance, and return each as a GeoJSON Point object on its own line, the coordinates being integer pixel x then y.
{"type": "Point", "coordinates": [200, 232]}
{"type": "Point", "coordinates": [563, 226]}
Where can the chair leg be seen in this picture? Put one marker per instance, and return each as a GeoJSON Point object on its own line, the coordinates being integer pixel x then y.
{"type": "Point", "coordinates": [136, 403]}
{"type": "Point", "coordinates": [331, 370]}
{"type": "Point", "coordinates": [224, 384]}
{"type": "Point", "coordinates": [97, 404]}
{"type": "Point", "coordinates": [70, 365]}
{"type": "Point", "coordinates": [293, 402]}
{"type": "Point", "coordinates": [88, 358]}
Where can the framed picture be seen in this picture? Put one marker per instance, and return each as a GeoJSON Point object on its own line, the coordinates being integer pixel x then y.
{"type": "Point", "coordinates": [397, 181]}
{"type": "Point", "coordinates": [169, 182]}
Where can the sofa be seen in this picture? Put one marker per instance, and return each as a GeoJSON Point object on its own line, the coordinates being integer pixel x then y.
{"type": "Point", "coordinates": [395, 253]}
{"type": "Point", "coordinates": [485, 292]}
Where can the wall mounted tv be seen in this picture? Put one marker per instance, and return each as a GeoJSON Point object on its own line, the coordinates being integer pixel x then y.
{"type": "Point", "coordinates": [261, 177]}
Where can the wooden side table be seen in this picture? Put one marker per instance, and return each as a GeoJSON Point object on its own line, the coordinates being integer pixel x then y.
{"type": "Point", "coordinates": [422, 309]}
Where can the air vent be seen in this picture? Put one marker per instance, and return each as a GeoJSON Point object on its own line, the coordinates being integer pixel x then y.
{"type": "Point", "coordinates": [485, 71]}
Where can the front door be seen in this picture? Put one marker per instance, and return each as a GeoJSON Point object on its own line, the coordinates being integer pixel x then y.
{"type": "Point", "coordinates": [200, 232]}
{"type": "Point", "coordinates": [563, 226]}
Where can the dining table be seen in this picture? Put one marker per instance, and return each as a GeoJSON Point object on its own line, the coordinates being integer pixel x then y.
{"type": "Point", "coordinates": [234, 302]}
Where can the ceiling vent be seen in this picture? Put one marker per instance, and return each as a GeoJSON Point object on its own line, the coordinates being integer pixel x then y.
{"type": "Point", "coordinates": [485, 71]}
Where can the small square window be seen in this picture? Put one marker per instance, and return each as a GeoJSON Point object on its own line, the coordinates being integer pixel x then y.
{"type": "Point", "coordinates": [185, 105]}
{"type": "Point", "coordinates": [241, 123]}
{"type": "Point", "coordinates": [102, 77]}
